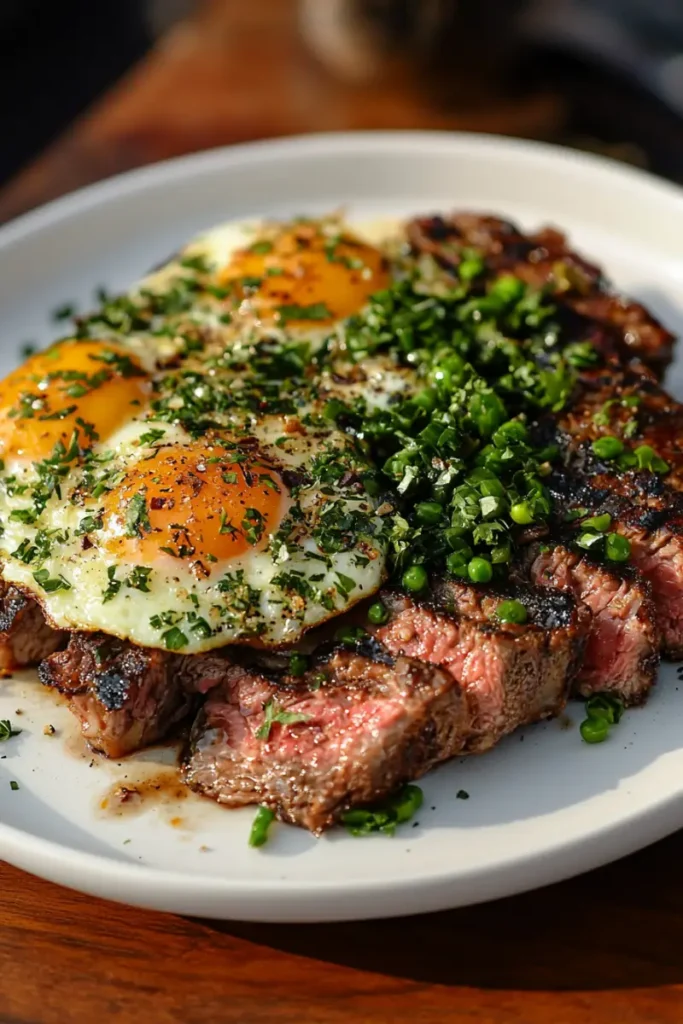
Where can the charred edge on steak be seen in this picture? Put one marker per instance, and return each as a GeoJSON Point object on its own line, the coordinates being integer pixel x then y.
{"type": "Point", "coordinates": [375, 724]}
{"type": "Point", "coordinates": [583, 290]}
{"type": "Point", "coordinates": [25, 636]}
{"type": "Point", "coordinates": [124, 696]}
{"type": "Point", "coordinates": [511, 674]}
{"type": "Point", "coordinates": [645, 507]}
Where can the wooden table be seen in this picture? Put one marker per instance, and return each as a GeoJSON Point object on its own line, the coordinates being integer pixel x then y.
{"type": "Point", "coordinates": [604, 948]}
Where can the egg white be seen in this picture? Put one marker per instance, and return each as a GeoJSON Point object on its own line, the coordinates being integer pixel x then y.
{"type": "Point", "coordinates": [276, 615]}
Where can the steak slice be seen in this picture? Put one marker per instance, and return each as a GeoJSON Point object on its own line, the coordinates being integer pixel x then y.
{"type": "Point", "coordinates": [124, 696]}
{"type": "Point", "coordinates": [625, 402]}
{"type": "Point", "coordinates": [25, 636]}
{"type": "Point", "coordinates": [543, 259]}
{"type": "Point", "coordinates": [652, 521]}
{"type": "Point", "coordinates": [358, 724]}
{"type": "Point", "coordinates": [512, 675]}
{"type": "Point", "coordinates": [622, 652]}
{"type": "Point", "coordinates": [645, 506]}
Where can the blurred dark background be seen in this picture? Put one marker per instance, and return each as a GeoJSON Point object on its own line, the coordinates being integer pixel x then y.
{"type": "Point", "coordinates": [89, 88]}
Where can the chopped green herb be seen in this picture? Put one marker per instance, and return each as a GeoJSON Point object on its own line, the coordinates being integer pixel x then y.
{"type": "Point", "coordinates": [138, 579]}
{"type": "Point", "coordinates": [272, 714]}
{"type": "Point", "coordinates": [264, 818]}
{"type": "Point", "coordinates": [64, 312]}
{"type": "Point", "coordinates": [291, 311]}
{"type": "Point", "coordinates": [113, 585]}
{"type": "Point", "coordinates": [137, 516]}
{"type": "Point", "coordinates": [50, 586]}
{"type": "Point", "coordinates": [261, 247]}
{"type": "Point", "coordinates": [6, 730]}
{"type": "Point", "coordinates": [174, 639]}
{"type": "Point", "coordinates": [384, 817]}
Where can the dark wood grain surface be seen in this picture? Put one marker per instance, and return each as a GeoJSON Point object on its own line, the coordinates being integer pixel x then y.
{"type": "Point", "coordinates": [604, 948]}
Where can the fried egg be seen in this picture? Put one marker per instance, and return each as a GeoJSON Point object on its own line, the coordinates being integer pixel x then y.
{"type": "Point", "coordinates": [170, 476]}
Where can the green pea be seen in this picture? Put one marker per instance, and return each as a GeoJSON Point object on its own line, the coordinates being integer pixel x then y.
{"type": "Point", "coordinates": [470, 266]}
{"type": "Point", "coordinates": [456, 563]}
{"type": "Point", "coordinates": [512, 611]}
{"type": "Point", "coordinates": [600, 707]}
{"type": "Point", "coordinates": [594, 730]}
{"type": "Point", "coordinates": [598, 523]}
{"type": "Point", "coordinates": [378, 614]}
{"type": "Point", "coordinates": [508, 288]}
{"type": "Point", "coordinates": [260, 825]}
{"type": "Point", "coordinates": [428, 512]}
{"type": "Point", "coordinates": [479, 570]}
{"type": "Point", "coordinates": [617, 548]}
{"type": "Point", "coordinates": [298, 663]}
{"type": "Point", "coordinates": [415, 578]}
{"type": "Point", "coordinates": [607, 447]}
{"type": "Point", "coordinates": [521, 513]}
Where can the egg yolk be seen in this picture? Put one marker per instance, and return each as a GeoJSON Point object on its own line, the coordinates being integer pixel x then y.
{"type": "Point", "coordinates": [304, 276]}
{"type": "Point", "coordinates": [89, 386]}
{"type": "Point", "coordinates": [199, 504]}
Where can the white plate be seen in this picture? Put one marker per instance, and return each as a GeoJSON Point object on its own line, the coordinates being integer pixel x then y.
{"type": "Point", "coordinates": [543, 805]}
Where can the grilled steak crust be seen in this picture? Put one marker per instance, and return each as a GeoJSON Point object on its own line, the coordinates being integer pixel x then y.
{"type": "Point", "coordinates": [511, 674]}
{"type": "Point", "coordinates": [124, 696]}
{"type": "Point", "coordinates": [650, 516]}
{"type": "Point", "coordinates": [626, 402]}
{"type": "Point", "coordinates": [25, 636]}
{"type": "Point", "coordinates": [543, 259]}
{"type": "Point", "coordinates": [622, 650]}
{"type": "Point", "coordinates": [645, 506]}
{"type": "Point", "coordinates": [368, 723]}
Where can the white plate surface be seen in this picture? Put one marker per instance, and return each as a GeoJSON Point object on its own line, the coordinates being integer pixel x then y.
{"type": "Point", "coordinates": [543, 806]}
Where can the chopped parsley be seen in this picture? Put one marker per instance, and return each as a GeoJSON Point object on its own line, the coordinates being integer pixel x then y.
{"type": "Point", "coordinates": [291, 311]}
{"type": "Point", "coordinates": [50, 585]}
{"type": "Point", "coordinates": [6, 730]}
{"type": "Point", "coordinates": [113, 586]}
{"type": "Point", "coordinates": [137, 516]}
{"type": "Point", "coordinates": [384, 817]}
{"type": "Point", "coordinates": [174, 639]}
{"type": "Point", "coordinates": [273, 713]}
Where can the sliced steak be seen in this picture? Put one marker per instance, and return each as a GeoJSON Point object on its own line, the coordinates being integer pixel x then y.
{"type": "Point", "coordinates": [25, 636]}
{"type": "Point", "coordinates": [650, 517]}
{"type": "Point", "coordinates": [543, 259]}
{"type": "Point", "coordinates": [622, 652]}
{"type": "Point", "coordinates": [348, 732]}
{"type": "Point", "coordinates": [511, 674]}
{"type": "Point", "coordinates": [124, 696]}
{"type": "Point", "coordinates": [627, 403]}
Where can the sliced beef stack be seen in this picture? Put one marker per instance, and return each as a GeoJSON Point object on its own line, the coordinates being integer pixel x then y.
{"type": "Point", "coordinates": [349, 731]}
{"type": "Point", "coordinates": [644, 506]}
{"type": "Point", "coordinates": [125, 696]}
